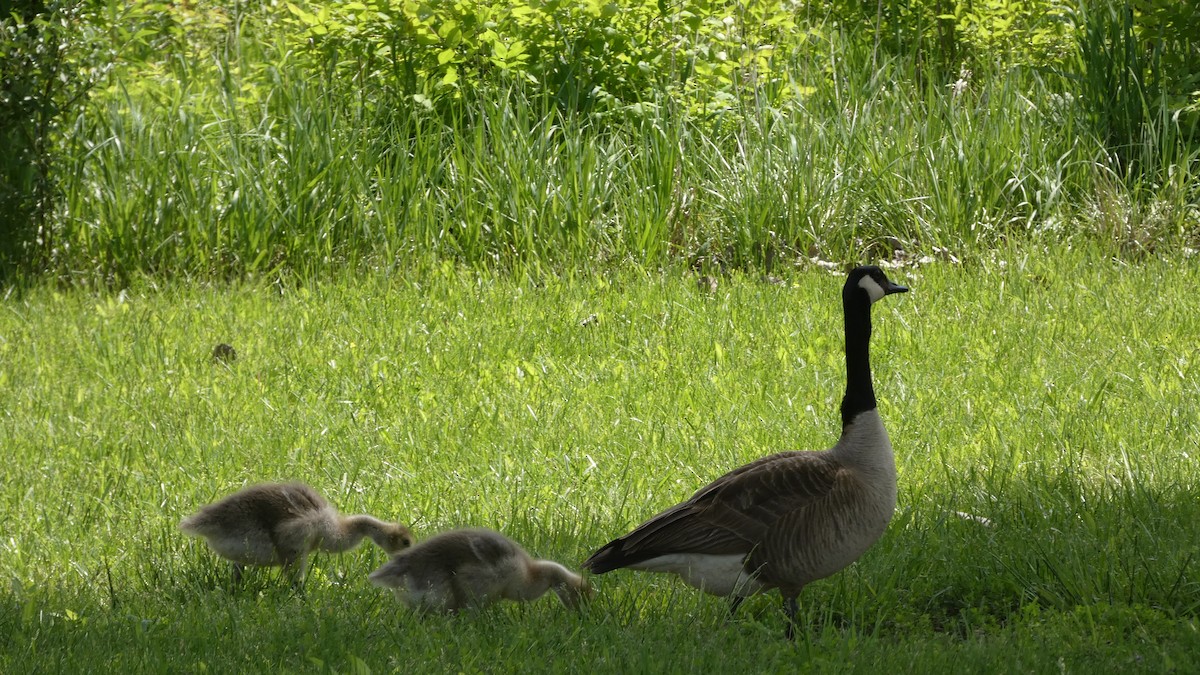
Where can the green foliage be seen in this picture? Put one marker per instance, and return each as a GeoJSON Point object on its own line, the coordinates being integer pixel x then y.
{"type": "Point", "coordinates": [942, 38]}
{"type": "Point", "coordinates": [1024, 32]}
{"type": "Point", "coordinates": [1170, 32]}
{"type": "Point", "coordinates": [39, 88]}
{"type": "Point", "coordinates": [283, 176]}
{"type": "Point", "coordinates": [583, 53]}
{"type": "Point", "coordinates": [53, 56]}
{"type": "Point", "coordinates": [1131, 75]}
{"type": "Point", "coordinates": [251, 139]}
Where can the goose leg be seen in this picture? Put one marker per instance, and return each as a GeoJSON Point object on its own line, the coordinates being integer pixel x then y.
{"type": "Point", "coordinates": [789, 610]}
{"type": "Point", "coordinates": [458, 598]}
{"type": "Point", "coordinates": [734, 604]}
{"type": "Point", "coordinates": [238, 568]}
{"type": "Point", "coordinates": [296, 569]}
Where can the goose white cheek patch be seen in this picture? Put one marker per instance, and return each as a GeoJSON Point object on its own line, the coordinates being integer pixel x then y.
{"type": "Point", "coordinates": [874, 290]}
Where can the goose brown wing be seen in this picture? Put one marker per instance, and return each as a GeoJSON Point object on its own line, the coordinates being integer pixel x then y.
{"type": "Point", "coordinates": [731, 515]}
{"type": "Point", "coordinates": [764, 491]}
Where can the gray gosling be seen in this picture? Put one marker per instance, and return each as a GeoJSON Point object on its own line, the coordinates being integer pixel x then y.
{"type": "Point", "coordinates": [790, 518]}
{"type": "Point", "coordinates": [280, 524]}
{"type": "Point", "coordinates": [475, 567]}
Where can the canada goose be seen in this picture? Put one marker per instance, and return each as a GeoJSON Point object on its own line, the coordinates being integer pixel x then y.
{"type": "Point", "coordinates": [790, 518]}
{"type": "Point", "coordinates": [281, 523]}
{"type": "Point", "coordinates": [472, 568]}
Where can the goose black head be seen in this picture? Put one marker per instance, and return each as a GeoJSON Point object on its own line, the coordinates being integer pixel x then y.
{"type": "Point", "coordinates": [871, 280]}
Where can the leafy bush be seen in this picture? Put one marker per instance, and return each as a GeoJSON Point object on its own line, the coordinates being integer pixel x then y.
{"type": "Point", "coordinates": [246, 139]}
{"type": "Point", "coordinates": [1170, 32]}
{"type": "Point", "coordinates": [585, 53]}
{"type": "Point", "coordinates": [32, 66]}
{"type": "Point", "coordinates": [1021, 31]}
{"type": "Point", "coordinates": [942, 38]}
{"type": "Point", "coordinates": [51, 55]}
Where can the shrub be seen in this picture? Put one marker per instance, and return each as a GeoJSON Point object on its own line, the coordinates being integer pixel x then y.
{"type": "Point", "coordinates": [587, 54]}
{"type": "Point", "coordinates": [31, 60]}
{"type": "Point", "coordinates": [47, 67]}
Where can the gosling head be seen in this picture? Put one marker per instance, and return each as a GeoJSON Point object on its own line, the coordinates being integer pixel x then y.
{"type": "Point", "coordinates": [575, 592]}
{"type": "Point", "coordinates": [394, 538]}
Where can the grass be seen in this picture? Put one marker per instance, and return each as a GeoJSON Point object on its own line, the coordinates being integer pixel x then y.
{"type": "Point", "coordinates": [230, 154]}
{"type": "Point", "coordinates": [1053, 393]}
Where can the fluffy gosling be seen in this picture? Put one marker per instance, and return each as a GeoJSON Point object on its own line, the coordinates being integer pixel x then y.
{"type": "Point", "coordinates": [475, 567]}
{"type": "Point", "coordinates": [280, 524]}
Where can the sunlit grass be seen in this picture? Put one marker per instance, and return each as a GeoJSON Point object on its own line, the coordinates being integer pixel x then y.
{"type": "Point", "coordinates": [247, 162]}
{"type": "Point", "coordinates": [1053, 395]}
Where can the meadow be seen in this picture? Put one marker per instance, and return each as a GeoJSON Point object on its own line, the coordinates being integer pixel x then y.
{"type": "Point", "coordinates": [462, 251]}
{"type": "Point", "coordinates": [1051, 393]}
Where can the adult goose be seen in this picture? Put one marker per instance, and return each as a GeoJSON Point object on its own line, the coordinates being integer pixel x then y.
{"type": "Point", "coordinates": [474, 567]}
{"type": "Point", "coordinates": [790, 518]}
{"type": "Point", "coordinates": [281, 524]}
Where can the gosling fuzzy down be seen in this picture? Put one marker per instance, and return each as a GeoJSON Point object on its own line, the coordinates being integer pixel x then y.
{"type": "Point", "coordinates": [280, 524]}
{"type": "Point", "coordinates": [475, 567]}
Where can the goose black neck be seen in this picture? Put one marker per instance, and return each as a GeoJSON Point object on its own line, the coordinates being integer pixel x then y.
{"type": "Point", "coordinates": [860, 392]}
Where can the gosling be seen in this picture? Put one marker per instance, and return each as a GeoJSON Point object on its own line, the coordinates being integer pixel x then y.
{"type": "Point", "coordinates": [280, 524]}
{"type": "Point", "coordinates": [472, 568]}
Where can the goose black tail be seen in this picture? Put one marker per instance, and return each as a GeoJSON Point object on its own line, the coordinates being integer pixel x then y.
{"type": "Point", "coordinates": [608, 558]}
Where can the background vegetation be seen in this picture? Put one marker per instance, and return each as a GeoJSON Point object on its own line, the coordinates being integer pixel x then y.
{"type": "Point", "coordinates": [223, 140]}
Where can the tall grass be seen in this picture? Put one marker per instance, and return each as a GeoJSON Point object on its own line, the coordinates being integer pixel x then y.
{"type": "Point", "coordinates": [249, 164]}
{"type": "Point", "coordinates": [1146, 178]}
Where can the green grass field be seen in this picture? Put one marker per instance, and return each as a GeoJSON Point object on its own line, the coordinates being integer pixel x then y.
{"type": "Point", "coordinates": [1052, 393]}
{"type": "Point", "coordinates": [471, 300]}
